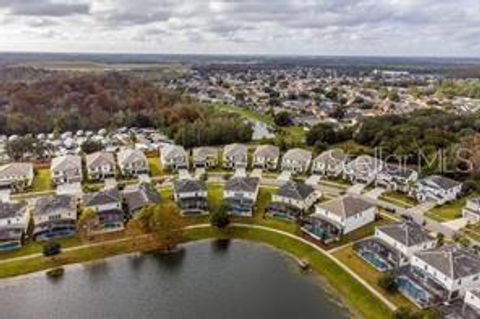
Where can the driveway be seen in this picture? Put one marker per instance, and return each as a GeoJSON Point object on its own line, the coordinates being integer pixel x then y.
{"type": "Point", "coordinates": [421, 208]}
{"type": "Point", "coordinates": [5, 195]}
{"type": "Point", "coordinates": [257, 172]}
{"type": "Point", "coordinates": [183, 174]}
{"type": "Point", "coordinates": [284, 177]}
{"type": "Point", "coordinates": [74, 189]}
{"type": "Point", "coordinates": [112, 182]}
{"type": "Point", "coordinates": [199, 171]}
{"type": "Point", "coordinates": [313, 180]}
{"type": "Point", "coordinates": [356, 189]}
{"type": "Point", "coordinates": [240, 172]}
{"type": "Point", "coordinates": [457, 224]}
{"type": "Point", "coordinates": [375, 193]}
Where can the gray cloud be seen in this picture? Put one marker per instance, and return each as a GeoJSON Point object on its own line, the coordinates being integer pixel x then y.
{"type": "Point", "coordinates": [44, 8]}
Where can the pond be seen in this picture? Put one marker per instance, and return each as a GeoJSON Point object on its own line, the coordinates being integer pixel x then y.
{"type": "Point", "coordinates": [208, 279]}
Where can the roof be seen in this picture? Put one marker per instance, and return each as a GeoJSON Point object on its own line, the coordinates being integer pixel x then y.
{"type": "Point", "coordinates": [332, 157]}
{"type": "Point", "coordinates": [100, 159]}
{"type": "Point", "coordinates": [66, 162]}
{"type": "Point", "coordinates": [346, 206]}
{"type": "Point", "coordinates": [294, 190]}
{"type": "Point", "coordinates": [111, 195]}
{"type": "Point", "coordinates": [130, 155]}
{"type": "Point", "coordinates": [242, 184]}
{"type": "Point", "coordinates": [15, 169]}
{"type": "Point", "coordinates": [53, 204]}
{"type": "Point", "coordinates": [140, 196]}
{"type": "Point", "coordinates": [408, 233]}
{"type": "Point", "coordinates": [298, 154]}
{"type": "Point", "coordinates": [441, 182]}
{"type": "Point", "coordinates": [189, 186]}
{"type": "Point", "coordinates": [453, 261]}
{"type": "Point", "coordinates": [365, 164]}
{"type": "Point", "coordinates": [400, 171]}
{"type": "Point", "coordinates": [204, 152]}
{"type": "Point", "coordinates": [9, 210]}
{"type": "Point", "coordinates": [234, 150]}
{"type": "Point", "coordinates": [268, 151]}
{"type": "Point", "coordinates": [174, 151]}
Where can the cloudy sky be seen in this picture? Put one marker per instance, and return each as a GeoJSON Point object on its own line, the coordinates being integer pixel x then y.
{"type": "Point", "coordinates": [311, 27]}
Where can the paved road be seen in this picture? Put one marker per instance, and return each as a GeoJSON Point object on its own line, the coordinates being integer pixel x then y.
{"type": "Point", "coordinates": [375, 193]}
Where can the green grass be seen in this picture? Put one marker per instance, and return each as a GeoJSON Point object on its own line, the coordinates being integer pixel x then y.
{"type": "Point", "coordinates": [399, 199]}
{"type": "Point", "coordinates": [472, 231]}
{"type": "Point", "coordinates": [42, 181]}
{"type": "Point", "coordinates": [215, 196]}
{"type": "Point", "coordinates": [355, 294]}
{"type": "Point", "coordinates": [246, 113]}
{"type": "Point", "coordinates": [370, 274]}
{"type": "Point", "coordinates": [294, 135]}
{"type": "Point", "coordinates": [156, 168]}
{"type": "Point", "coordinates": [451, 210]}
{"type": "Point", "coordinates": [36, 247]}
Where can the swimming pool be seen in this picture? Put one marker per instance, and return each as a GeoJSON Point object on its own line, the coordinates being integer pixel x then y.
{"type": "Point", "coordinates": [374, 260]}
{"type": "Point", "coordinates": [414, 291]}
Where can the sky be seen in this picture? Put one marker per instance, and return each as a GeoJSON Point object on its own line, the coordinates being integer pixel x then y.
{"type": "Point", "coordinates": [279, 27]}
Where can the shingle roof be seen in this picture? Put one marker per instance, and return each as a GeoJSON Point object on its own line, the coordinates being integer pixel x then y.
{"type": "Point", "coordinates": [397, 170]}
{"type": "Point", "coordinates": [453, 261]}
{"type": "Point", "coordinates": [189, 186]}
{"type": "Point", "coordinates": [201, 153]}
{"type": "Point", "coordinates": [51, 204]}
{"type": "Point", "coordinates": [174, 151]}
{"type": "Point", "coordinates": [234, 150]}
{"type": "Point", "coordinates": [365, 164]}
{"type": "Point", "coordinates": [298, 154]}
{"type": "Point", "coordinates": [100, 159]}
{"type": "Point", "coordinates": [140, 196]}
{"type": "Point", "coordinates": [440, 181]}
{"type": "Point", "coordinates": [294, 190]}
{"type": "Point", "coordinates": [111, 195]}
{"type": "Point", "coordinates": [66, 162]}
{"type": "Point", "coordinates": [267, 151]}
{"type": "Point", "coordinates": [15, 169]}
{"type": "Point", "coordinates": [408, 233]}
{"type": "Point", "coordinates": [332, 157]}
{"type": "Point", "coordinates": [242, 184]}
{"type": "Point", "coordinates": [9, 210]}
{"type": "Point", "coordinates": [346, 206]}
{"type": "Point", "coordinates": [130, 155]}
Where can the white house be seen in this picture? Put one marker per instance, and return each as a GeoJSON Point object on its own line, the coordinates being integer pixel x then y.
{"type": "Point", "coordinates": [108, 206]}
{"type": "Point", "coordinates": [266, 157]}
{"type": "Point", "coordinates": [205, 157]}
{"type": "Point", "coordinates": [438, 189]}
{"type": "Point", "coordinates": [292, 200]}
{"type": "Point", "coordinates": [235, 156]}
{"type": "Point", "coordinates": [339, 217]}
{"type": "Point", "coordinates": [66, 169]}
{"type": "Point", "coordinates": [100, 165]}
{"type": "Point", "coordinates": [17, 176]}
{"type": "Point", "coordinates": [363, 169]}
{"type": "Point", "coordinates": [329, 163]}
{"type": "Point", "coordinates": [191, 195]}
{"type": "Point", "coordinates": [174, 157]}
{"type": "Point", "coordinates": [138, 196]}
{"type": "Point", "coordinates": [471, 308]}
{"type": "Point", "coordinates": [296, 160]}
{"type": "Point", "coordinates": [14, 219]}
{"type": "Point", "coordinates": [397, 178]}
{"type": "Point", "coordinates": [54, 217]}
{"type": "Point", "coordinates": [132, 162]}
{"type": "Point", "coordinates": [240, 195]}
{"type": "Point", "coordinates": [472, 210]}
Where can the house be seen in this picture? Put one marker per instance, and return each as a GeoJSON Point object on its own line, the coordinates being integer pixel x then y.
{"type": "Point", "coordinates": [471, 211]}
{"type": "Point", "coordinates": [174, 157]}
{"type": "Point", "coordinates": [132, 162]}
{"type": "Point", "coordinates": [394, 245]}
{"type": "Point", "coordinates": [14, 220]}
{"type": "Point", "coordinates": [54, 217]}
{"type": "Point", "coordinates": [339, 217]}
{"type": "Point", "coordinates": [471, 304]}
{"type": "Point", "coordinates": [100, 165]}
{"type": "Point", "coordinates": [396, 178]}
{"type": "Point", "coordinates": [191, 196]}
{"type": "Point", "coordinates": [235, 156]}
{"type": "Point", "coordinates": [329, 163]}
{"type": "Point", "coordinates": [66, 169]}
{"type": "Point", "coordinates": [138, 196]}
{"type": "Point", "coordinates": [438, 189]}
{"type": "Point", "coordinates": [296, 160]}
{"type": "Point", "coordinates": [266, 157]}
{"type": "Point", "coordinates": [440, 274]}
{"type": "Point", "coordinates": [363, 169]}
{"type": "Point", "coordinates": [240, 195]}
{"type": "Point", "coordinates": [108, 206]}
{"type": "Point", "coordinates": [292, 200]}
{"type": "Point", "coordinates": [16, 176]}
{"type": "Point", "coordinates": [205, 157]}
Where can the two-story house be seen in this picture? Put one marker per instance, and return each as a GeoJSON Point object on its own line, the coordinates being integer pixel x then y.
{"type": "Point", "coordinates": [108, 206]}
{"type": "Point", "coordinates": [240, 195]}
{"type": "Point", "coordinates": [266, 157]}
{"type": "Point", "coordinates": [139, 196]}
{"type": "Point", "coordinates": [297, 161]}
{"type": "Point", "coordinates": [132, 162]}
{"type": "Point", "coordinates": [191, 196]}
{"type": "Point", "coordinates": [438, 189]}
{"type": "Point", "coordinates": [329, 163]}
{"type": "Point", "coordinates": [174, 157]}
{"type": "Point", "coordinates": [205, 157]}
{"type": "Point", "coordinates": [66, 169]}
{"type": "Point", "coordinates": [14, 220]}
{"type": "Point", "coordinates": [397, 178]}
{"type": "Point", "coordinates": [54, 217]}
{"type": "Point", "coordinates": [471, 211]}
{"type": "Point", "coordinates": [16, 176]}
{"type": "Point", "coordinates": [363, 169]}
{"type": "Point", "coordinates": [100, 165]}
{"type": "Point", "coordinates": [235, 156]}
{"type": "Point", "coordinates": [292, 200]}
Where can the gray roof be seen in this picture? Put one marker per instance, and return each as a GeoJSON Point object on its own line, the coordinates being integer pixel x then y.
{"type": "Point", "coordinates": [440, 182]}
{"type": "Point", "coordinates": [408, 233]}
{"type": "Point", "coordinates": [267, 151]}
{"type": "Point", "coordinates": [298, 154]}
{"type": "Point", "coordinates": [242, 184]}
{"type": "Point", "coordinates": [9, 210]}
{"type": "Point", "coordinates": [332, 157]}
{"type": "Point", "coordinates": [15, 169]}
{"type": "Point", "coordinates": [365, 164]}
{"type": "Point", "coordinates": [294, 190]}
{"type": "Point", "coordinates": [174, 151]}
{"type": "Point", "coordinates": [51, 204]}
{"type": "Point", "coordinates": [100, 159]}
{"type": "Point", "coordinates": [111, 195]}
{"type": "Point", "coordinates": [346, 206]}
{"type": "Point", "coordinates": [400, 171]}
{"type": "Point", "coordinates": [235, 150]}
{"type": "Point", "coordinates": [453, 261]}
{"type": "Point", "coordinates": [201, 153]}
{"type": "Point", "coordinates": [130, 155]}
{"type": "Point", "coordinates": [140, 196]}
{"type": "Point", "coordinates": [189, 186]}
{"type": "Point", "coordinates": [66, 162]}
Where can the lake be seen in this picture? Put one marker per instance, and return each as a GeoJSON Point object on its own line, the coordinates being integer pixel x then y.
{"type": "Point", "coordinates": [207, 280]}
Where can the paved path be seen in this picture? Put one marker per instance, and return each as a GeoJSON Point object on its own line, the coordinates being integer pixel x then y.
{"type": "Point", "coordinates": [457, 224]}
{"type": "Point", "coordinates": [375, 193]}
{"type": "Point", "coordinates": [313, 180]}
{"type": "Point", "coordinates": [356, 189]}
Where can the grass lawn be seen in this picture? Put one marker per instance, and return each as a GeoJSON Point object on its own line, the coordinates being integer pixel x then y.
{"type": "Point", "coordinates": [243, 112]}
{"type": "Point", "coordinates": [215, 196]}
{"type": "Point", "coordinates": [369, 273]}
{"type": "Point", "coordinates": [42, 181]}
{"type": "Point", "coordinates": [35, 247]}
{"type": "Point", "coordinates": [294, 135]}
{"type": "Point", "coordinates": [355, 294]}
{"type": "Point", "coordinates": [166, 196]}
{"type": "Point", "coordinates": [473, 231]}
{"type": "Point", "coordinates": [156, 168]}
{"type": "Point", "coordinates": [399, 198]}
{"type": "Point", "coordinates": [451, 210]}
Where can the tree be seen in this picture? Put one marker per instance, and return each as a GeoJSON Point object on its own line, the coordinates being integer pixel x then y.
{"type": "Point", "coordinates": [220, 218]}
{"type": "Point", "coordinates": [321, 133]}
{"type": "Point", "coordinates": [51, 249]}
{"type": "Point", "coordinates": [387, 282]}
{"type": "Point", "coordinates": [164, 223]}
{"type": "Point", "coordinates": [87, 221]}
{"type": "Point", "coordinates": [91, 146]}
{"type": "Point", "coordinates": [282, 119]}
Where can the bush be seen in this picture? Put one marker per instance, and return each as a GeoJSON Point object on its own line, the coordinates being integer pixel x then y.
{"type": "Point", "coordinates": [220, 218]}
{"type": "Point", "coordinates": [387, 282]}
{"type": "Point", "coordinates": [51, 249]}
